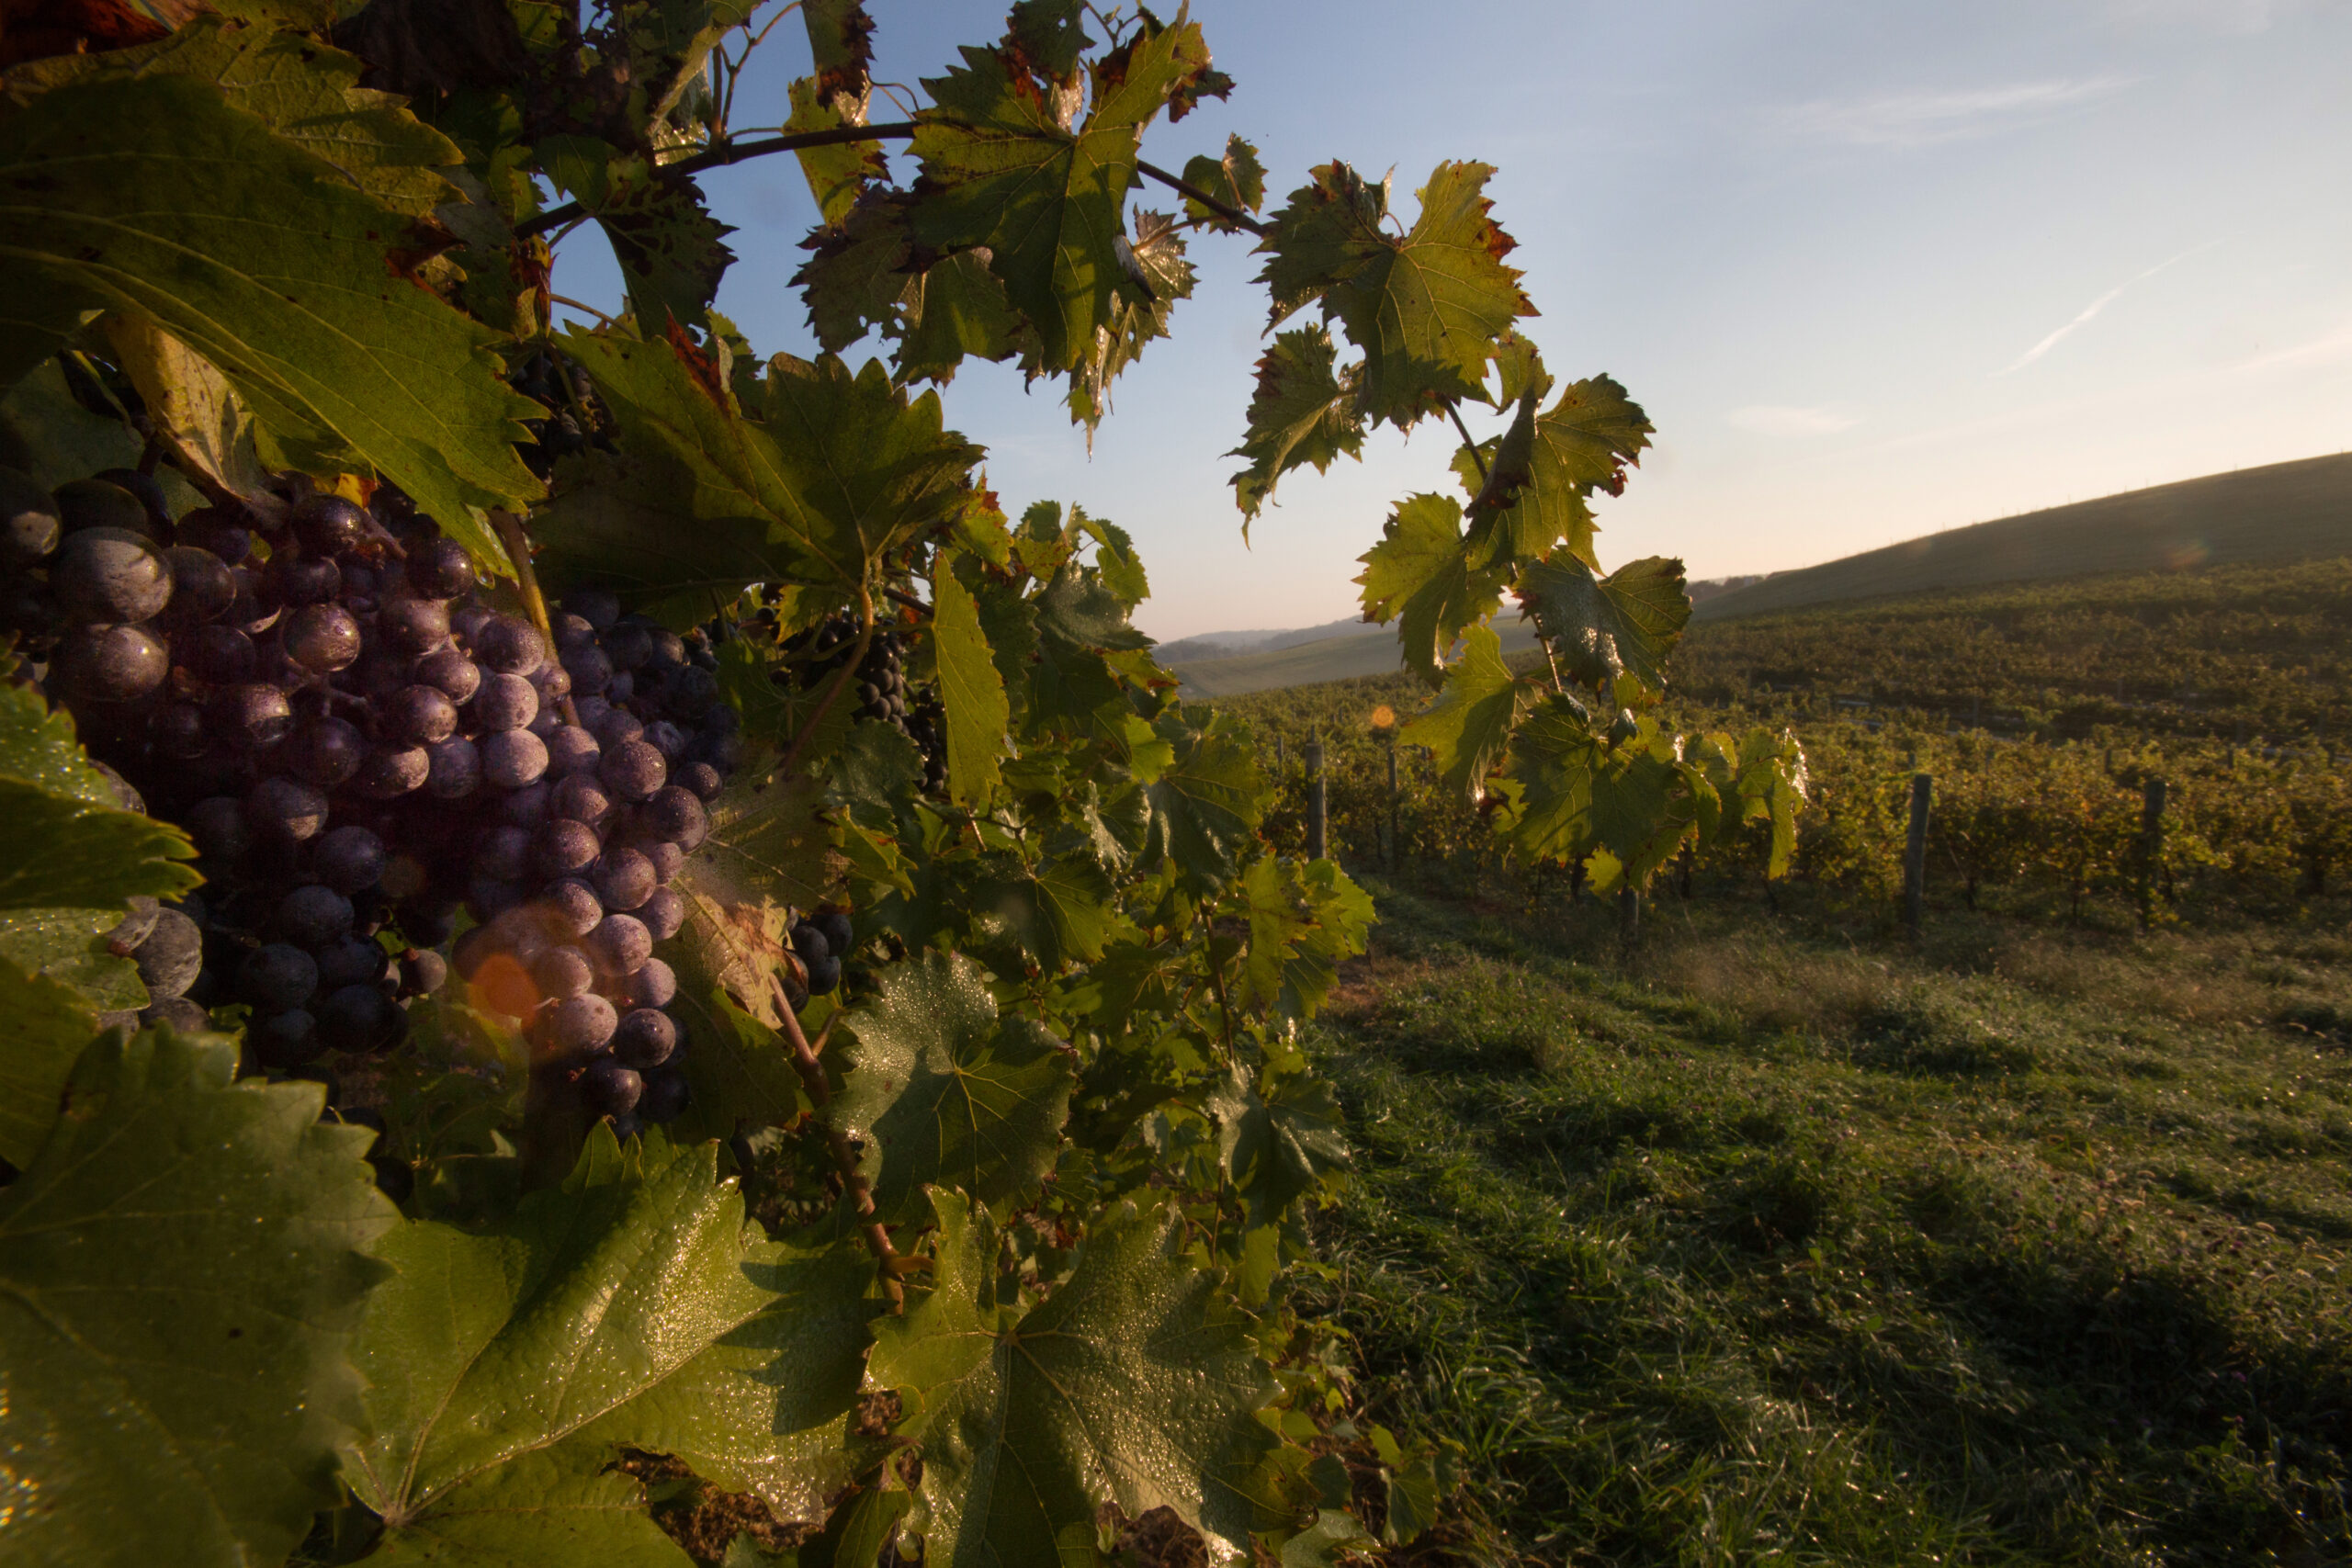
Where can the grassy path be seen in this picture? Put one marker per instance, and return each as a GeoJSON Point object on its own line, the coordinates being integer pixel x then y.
{"type": "Point", "coordinates": [1765, 1249]}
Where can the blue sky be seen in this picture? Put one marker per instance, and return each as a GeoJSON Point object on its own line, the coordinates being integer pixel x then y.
{"type": "Point", "coordinates": [1875, 269]}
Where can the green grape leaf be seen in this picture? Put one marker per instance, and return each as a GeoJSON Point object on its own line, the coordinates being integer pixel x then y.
{"type": "Point", "coordinates": [1207, 804]}
{"type": "Point", "coordinates": [854, 278]}
{"type": "Point", "coordinates": [158, 197]}
{"type": "Point", "coordinates": [1291, 1141]}
{"type": "Point", "coordinates": [304, 91]}
{"type": "Point", "coordinates": [181, 1272]}
{"type": "Point", "coordinates": [841, 43]}
{"type": "Point", "coordinates": [1060, 909]}
{"type": "Point", "coordinates": [48, 436]}
{"type": "Point", "coordinates": [1001, 169]}
{"type": "Point", "coordinates": [1238, 179]}
{"type": "Point", "coordinates": [671, 249]}
{"type": "Point", "coordinates": [63, 842]}
{"type": "Point", "coordinates": [1425, 308]}
{"type": "Point", "coordinates": [1470, 723]}
{"type": "Point", "coordinates": [1161, 276]}
{"type": "Point", "coordinates": [943, 1090]}
{"type": "Point", "coordinates": [829, 470]}
{"type": "Point", "coordinates": [1303, 410]}
{"type": "Point", "coordinates": [70, 947]}
{"type": "Point", "coordinates": [1599, 626]}
{"type": "Point", "coordinates": [1584, 444]}
{"type": "Point", "coordinates": [1420, 575]}
{"type": "Point", "coordinates": [631, 1308]}
{"type": "Point", "coordinates": [1771, 788]}
{"type": "Point", "coordinates": [43, 1027]}
{"type": "Point", "coordinates": [1573, 792]}
{"type": "Point", "coordinates": [37, 746]}
{"type": "Point", "coordinates": [1304, 919]}
{"type": "Point", "coordinates": [971, 689]}
{"type": "Point", "coordinates": [838, 174]}
{"type": "Point", "coordinates": [1133, 1384]}
{"type": "Point", "coordinates": [190, 405]}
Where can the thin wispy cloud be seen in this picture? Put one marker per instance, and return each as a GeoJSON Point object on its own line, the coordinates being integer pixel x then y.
{"type": "Point", "coordinates": [2326, 349]}
{"type": "Point", "coordinates": [1902, 121]}
{"type": "Point", "coordinates": [1790, 422]}
{"type": "Point", "coordinates": [2091, 310]}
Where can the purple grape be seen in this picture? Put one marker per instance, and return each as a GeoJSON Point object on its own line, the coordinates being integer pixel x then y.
{"type": "Point", "coordinates": [218, 654]}
{"type": "Point", "coordinates": [217, 826]}
{"type": "Point", "coordinates": [621, 688]}
{"type": "Point", "coordinates": [505, 701]}
{"type": "Point", "coordinates": [421, 715]}
{"type": "Point", "coordinates": [440, 569]}
{"type": "Point", "coordinates": [217, 534]}
{"type": "Point", "coordinates": [667, 858]}
{"type": "Point", "coordinates": [389, 772]}
{"type": "Point", "coordinates": [619, 945]}
{"type": "Point", "coordinates": [468, 619]}
{"type": "Point", "coordinates": [633, 770]}
{"type": "Point", "coordinates": [451, 672]}
{"type": "Point", "coordinates": [177, 729]}
{"type": "Point", "coordinates": [413, 626]}
{"type": "Point", "coordinates": [675, 813]}
{"type": "Point", "coordinates": [30, 526]}
{"type": "Point", "coordinates": [285, 810]}
{"type": "Point", "coordinates": [303, 580]}
{"type": "Point", "coordinates": [691, 693]}
{"type": "Point", "coordinates": [664, 913]}
{"type": "Point", "coordinates": [325, 751]}
{"type": "Point", "coordinates": [623, 878]}
{"type": "Point", "coordinates": [324, 637]}
{"type": "Point", "coordinates": [580, 798]}
{"type": "Point", "coordinates": [423, 974]}
{"type": "Point", "coordinates": [618, 725]}
{"type": "Point", "coordinates": [171, 956]}
{"type": "Point", "coordinates": [176, 1014]}
{"type": "Point", "coordinates": [629, 645]}
{"type": "Point", "coordinates": [577, 1025]}
{"type": "Point", "coordinates": [564, 848]}
{"type": "Point", "coordinates": [591, 712]}
{"type": "Point", "coordinates": [490, 897]}
{"type": "Point", "coordinates": [572, 750]}
{"type": "Point", "coordinates": [701, 778]}
{"type": "Point", "coordinates": [202, 588]}
{"type": "Point", "coordinates": [588, 667]}
{"type": "Point", "coordinates": [561, 971]}
{"type": "Point", "coordinates": [354, 961]}
{"type": "Point", "coordinates": [513, 758]}
{"type": "Point", "coordinates": [609, 1089]}
{"type": "Point", "coordinates": [666, 1096]}
{"type": "Point", "coordinates": [572, 907]}
{"type": "Point", "coordinates": [597, 606]}
{"type": "Point", "coordinates": [327, 524]}
{"type": "Point", "coordinates": [570, 632]}
{"type": "Point", "coordinates": [452, 768]}
{"type": "Point", "coordinates": [551, 681]}
{"type": "Point", "coordinates": [644, 1038]}
{"type": "Point", "coordinates": [811, 943]}
{"type": "Point", "coordinates": [110, 576]}
{"type": "Point", "coordinates": [284, 1039]}
{"type": "Point", "coordinates": [655, 984]}
{"type": "Point", "coordinates": [509, 645]}
{"type": "Point", "coordinates": [504, 853]}
{"type": "Point", "coordinates": [349, 859]}
{"type": "Point", "coordinates": [362, 1019]}
{"type": "Point", "coordinates": [313, 916]}
{"type": "Point", "coordinates": [527, 807]}
{"type": "Point", "coordinates": [276, 977]}
{"type": "Point", "coordinates": [115, 664]}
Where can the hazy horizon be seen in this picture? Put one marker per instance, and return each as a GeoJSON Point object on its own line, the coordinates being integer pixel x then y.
{"type": "Point", "coordinates": [1873, 272]}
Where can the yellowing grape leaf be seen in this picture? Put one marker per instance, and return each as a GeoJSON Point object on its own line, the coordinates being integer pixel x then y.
{"type": "Point", "coordinates": [1599, 626]}
{"type": "Point", "coordinates": [1303, 410]}
{"type": "Point", "coordinates": [1470, 723]}
{"type": "Point", "coordinates": [1424, 308]}
{"type": "Point", "coordinates": [1583, 444]}
{"type": "Point", "coordinates": [1420, 575]}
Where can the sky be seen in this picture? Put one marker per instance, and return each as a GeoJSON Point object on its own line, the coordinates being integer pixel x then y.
{"type": "Point", "coordinates": [1875, 269]}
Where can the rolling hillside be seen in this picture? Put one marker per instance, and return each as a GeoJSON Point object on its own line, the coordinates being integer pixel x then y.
{"type": "Point", "coordinates": [2285, 513]}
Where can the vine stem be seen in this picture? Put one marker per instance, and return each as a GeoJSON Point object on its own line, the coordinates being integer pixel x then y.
{"type": "Point", "coordinates": [895, 130]}
{"type": "Point", "coordinates": [1453, 411]}
{"type": "Point", "coordinates": [821, 1094]}
{"type": "Point", "coordinates": [518, 547]}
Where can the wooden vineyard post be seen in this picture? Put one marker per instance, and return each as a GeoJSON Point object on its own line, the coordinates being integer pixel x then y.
{"type": "Point", "coordinates": [1317, 843]}
{"type": "Point", "coordinates": [2152, 849]}
{"type": "Point", "coordinates": [1393, 842]}
{"type": "Point", "coordinates": [1629, 916]}
{"type": "Point", "coordinates": [1915, 855]}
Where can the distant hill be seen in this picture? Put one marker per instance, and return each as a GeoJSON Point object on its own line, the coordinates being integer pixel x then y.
{"type": "Point", "coordinates": [2286, 512]}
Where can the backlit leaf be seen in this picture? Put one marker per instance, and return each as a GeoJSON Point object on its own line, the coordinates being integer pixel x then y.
{"type": "Point", "coordinates": [1598, 626]}
{"type": "Point", "coordinates": [1303, 410]}
{"type": "Point", "coordinates": [1470, 723]}
{"type": "Point", "coordinates": [1420, 575]}
{"type": "Point", "coordinates": [970, 688]}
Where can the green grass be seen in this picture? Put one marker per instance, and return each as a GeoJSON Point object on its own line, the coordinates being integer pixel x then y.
{"type": "Point", "coordinates": [1767, 1247]}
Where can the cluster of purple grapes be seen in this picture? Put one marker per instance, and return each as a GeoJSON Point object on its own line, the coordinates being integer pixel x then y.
{"type": "Point", "coordinates": [576, 419]}
{"type": "Point", "coordinates": [882, 691]}
{"type": "Point", "coordinates": [361, 747]}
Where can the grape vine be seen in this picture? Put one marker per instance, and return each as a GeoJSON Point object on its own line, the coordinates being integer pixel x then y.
{"type": "Point", "coordinates": [712, 951]}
